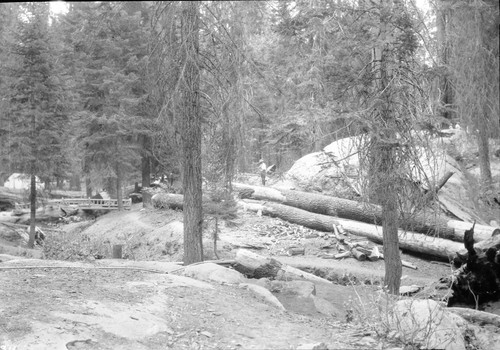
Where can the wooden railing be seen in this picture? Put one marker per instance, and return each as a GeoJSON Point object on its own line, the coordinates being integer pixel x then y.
{"type": "Point", "coordinates": [84, 203]}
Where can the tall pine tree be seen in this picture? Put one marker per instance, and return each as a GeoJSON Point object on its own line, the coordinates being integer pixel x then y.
{"type": "Point", "coordinates": [36, 112]}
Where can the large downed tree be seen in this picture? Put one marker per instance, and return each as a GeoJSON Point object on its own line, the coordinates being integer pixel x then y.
{"type": "Point", "coordinates": [365, 212]}
{"type": "Point", "coordinates": [9, 198]}
{"type": "Point", "coordinates": [438, 248]}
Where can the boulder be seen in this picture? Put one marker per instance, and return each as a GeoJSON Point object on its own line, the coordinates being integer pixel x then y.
{"type": "Point", "coordinates": [215, 273]}
{"type": "Point", "coordinates": [263, 293]}
{"type": "Point", "coordinates": [426, 324]}
{"type": "Point", "coordinates": [324, 307]}
{"type": "Point", "coordinates": [335, 171]}
{"type": "Point", "coordinates": [303, 289]}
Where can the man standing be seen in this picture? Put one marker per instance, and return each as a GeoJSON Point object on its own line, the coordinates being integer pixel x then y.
{"type": "Point", "coordinates": [263, 171]}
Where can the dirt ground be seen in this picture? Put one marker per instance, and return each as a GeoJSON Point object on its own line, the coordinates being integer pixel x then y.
{"type": "Point", "coordinates": [83, 303]}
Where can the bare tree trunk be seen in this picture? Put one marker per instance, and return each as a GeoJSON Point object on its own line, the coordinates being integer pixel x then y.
{"type": "Point", "coordinates": [88, 189]}
{"type": "Point", "coordinates": [119, 194]}
{"type": "Point", "coordinates": [31, 241]}
{"type": "Point", "coordinates": [484, 153]}
{"type": "Point", "coordinates": [146, 171]}
{"type": "Point", "coordinates": [383, 150]}
{"type": "Point", "coordinates": [191, 134]}
{"type": "Point", "coordinates": [445, 90]}
{"type": "Point", "coordinates": [74, 183]}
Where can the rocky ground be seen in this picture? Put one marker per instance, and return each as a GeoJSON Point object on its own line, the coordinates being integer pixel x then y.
{"type": "Point", "coordinates": [145, 302]}
{"type": "Point", "coordinates": [77, 297]}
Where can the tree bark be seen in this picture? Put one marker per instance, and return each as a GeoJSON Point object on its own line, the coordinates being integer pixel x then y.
{"type": "Point", "coordinates": [365, 212]}
{"type": "Point", "coordinates": [119, 192]}
{"type": "Point", "coordinates": [75, 183]}
{"type": "Point", "coordinates": [31, 241]}
{"type": "Point", "coordinates": [191, 134]}
{"type": "Point", "coordinates": [88, 189]}
{"type": "Point", "coordinates": [484, 154]}
{"type": "Point", "coordinates": [146, 171]}
{"type": "Point", "coordinates": [445, 92]}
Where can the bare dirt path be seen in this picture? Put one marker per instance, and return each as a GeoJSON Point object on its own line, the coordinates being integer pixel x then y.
{"type": "Point", "coordinates": [64, 308]}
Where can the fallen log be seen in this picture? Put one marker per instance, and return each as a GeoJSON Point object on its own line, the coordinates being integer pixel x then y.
{"type": "Point", "coordinates": [438, 248]}
{"type": "Point", "coordinates": [257, 266]}
{"type": "Point", "coordinates": [438, 226]}
{"type": "Point", "coordinates": [476, 316]}
{"type": "Point", "coordinates": [8, 198]}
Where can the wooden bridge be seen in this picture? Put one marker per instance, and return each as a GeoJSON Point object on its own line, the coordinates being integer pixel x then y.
{"type": "Point", "coordinates": [84, 203]}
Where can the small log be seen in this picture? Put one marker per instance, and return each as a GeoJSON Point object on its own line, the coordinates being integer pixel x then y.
{"type": "Point", "coordinates": [374, 254]}
{"type": "Point", "coordinates": [358, 255]}
{"type": "Point", "coordinates": [257, 266]}
{"type": "Point", "coordinates": [337, 235]}
{"type": "Point", "coordinates": [409, 265]}
{"type": "Point", "coordinates": [288, 272]}
{"type": "Point", "coordinates": [476, 316]}
{"type": "Point", "coordinates": [343, 255]}
{"type": "Point", "coordinates": [341, 230]}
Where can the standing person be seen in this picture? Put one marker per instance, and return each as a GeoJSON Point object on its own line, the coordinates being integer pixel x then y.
{"type": "Point", "coordinates": [263, 171]}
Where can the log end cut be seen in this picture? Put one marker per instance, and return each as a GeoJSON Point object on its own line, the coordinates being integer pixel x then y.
{"type": "Point", "coordinates": [256, 266]}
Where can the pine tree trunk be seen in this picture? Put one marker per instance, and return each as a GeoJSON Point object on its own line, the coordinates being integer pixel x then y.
{"type": "Point", "coordinates": [484, 155]}
{"type": "Point", "coordinates": [88, 189]}
{"type": "Point", "coordinates": [383, 167]}
{"type": "Point", "coordinates": [119, 194]}
{"type": "Point", "coordinates": [191, 135]}
{"type": "Point", "coordinates": [392, 259]}
{"type": "Point", "coordinates": [146, 171]}
{"type": "Point", "coordinates": [31, 241]}
{"type": "Point", "coordinates": [445, 92]}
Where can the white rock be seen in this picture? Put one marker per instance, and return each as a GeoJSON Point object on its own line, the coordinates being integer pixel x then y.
{"type": "Point", "coordinates": [426, 323]}
{"type": "Point", "coordinates": [314, 346]}
{"type": "Point", "coordinates": [300, 288]}
{"type": "Point", "coordinates": [324, 307]}
{"type": "Point", "coordinates": [264, 294]}
{"type": "Point", "coordinates": [214, 272]}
